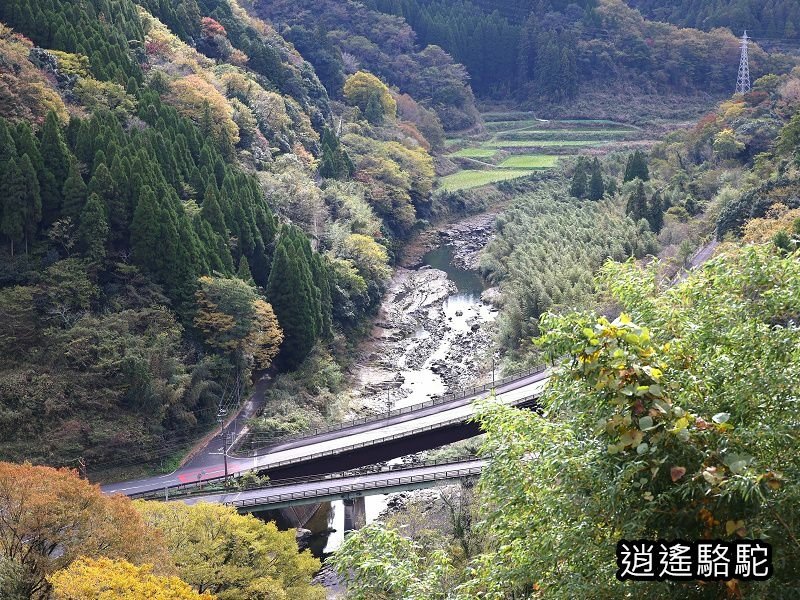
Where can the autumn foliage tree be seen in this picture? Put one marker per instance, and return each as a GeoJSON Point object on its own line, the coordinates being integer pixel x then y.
{"type": "Point", "coordinates": [199, 100]}
{"type": "Point", "coordinates": [50, 518]}
{"type": "Point", "coordinates": [233, 556]}
{"type": "Point", "coordinates": [90, 579]}
{"type": "Point", "coordinates": [235, 320]}
{"type": "Point", "coordinates": [371, 95]}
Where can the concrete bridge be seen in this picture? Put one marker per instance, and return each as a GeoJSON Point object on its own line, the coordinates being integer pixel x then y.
{"type": "Point", "coordinates": [357, 443]}
{"type": "Point", "coordinates": [284, 493]}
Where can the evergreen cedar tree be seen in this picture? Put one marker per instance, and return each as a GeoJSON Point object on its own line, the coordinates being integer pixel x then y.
{"type": "Point", "coordinates": [299, 292]}
{"type": "Point", "coordinates": [597, 187]}
{"type": "Point", "coordinates": [637, 203]}
{"type": "Point", "coordinates": [655, 213]}
{"type": "Point", "coordinates": [579, 181]}
{"type": "Point", "coordinates": [134, 206]}
{"type": "Point", "coordinates": [636, 167]}
{"type": "Point", "coordinates": [638, 206]}
{"type": "Point", "coordinates": [336, 163]}
{"type": "Point", "coordinates": [587, 180]}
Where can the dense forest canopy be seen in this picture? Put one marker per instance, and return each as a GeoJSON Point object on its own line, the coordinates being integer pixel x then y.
{"type": "Point", "coordinates": [177, 213]}
{"type": "Point", "coordinates": [340, 38]}
{"type": "Point", "coordinates": [777, 20]}
{"type": "Point", "coordinates": [555, 50]}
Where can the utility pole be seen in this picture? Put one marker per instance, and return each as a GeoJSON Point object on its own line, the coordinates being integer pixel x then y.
{"type": "Point", "coordinates": [388, 404]}
{"type": "Point", "coordinates": [492, 372]}
{"type": "Point", "coordinates": [221, 420]}
{"type": "Point", "coordinates": [743, 80]}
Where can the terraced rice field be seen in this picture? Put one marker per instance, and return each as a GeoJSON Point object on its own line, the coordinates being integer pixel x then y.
{"type": "Point", "coordinates": [529, 161]}
{"type": "Point", "coordinates": [475, 153]}
{"type": "Point", "coordinates": [467, 178]}
{"type": "Point", "coordinates": [540, 143]}
{"type": "Point", "coordinates": [519, 144]}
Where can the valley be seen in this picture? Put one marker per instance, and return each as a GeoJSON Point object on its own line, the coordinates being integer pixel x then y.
{"type": "Point", "coordinates": [396, 299]}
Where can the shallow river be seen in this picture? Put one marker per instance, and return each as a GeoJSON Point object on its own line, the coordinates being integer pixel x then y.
{"type": "Point", "coordinates": [460, 310]}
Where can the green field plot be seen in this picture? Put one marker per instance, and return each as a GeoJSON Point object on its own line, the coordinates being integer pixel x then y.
{"type": "Point", "coordinates": [469, 179]}
{"type": "Point", "coordinates": [500, 126]}
{"type": "Point", "coordinates": [592, 123]}
{"type": "Point", "coordinates": [564, 135]}
{"type": "Point", "coordinates": [540, 143]}
{"type": "Point", "coordinates": [529, 161]}
{"type": "Point", "coordinates": [475, 153]}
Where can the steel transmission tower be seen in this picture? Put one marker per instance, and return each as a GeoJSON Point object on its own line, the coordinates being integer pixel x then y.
{"type": "Point", "coordinates": [743, 81]}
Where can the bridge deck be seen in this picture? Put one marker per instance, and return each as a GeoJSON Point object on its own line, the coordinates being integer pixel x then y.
{"type": "Point", "coordinates": [312, 491]}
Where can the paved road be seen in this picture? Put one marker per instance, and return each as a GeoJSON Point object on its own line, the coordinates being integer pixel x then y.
{"type": "Point", "coordinates": [326, 488]}
{"type": "Point", "coordinates": [336, 441]}
{"type": "Point", "coordinates": [697, 259]}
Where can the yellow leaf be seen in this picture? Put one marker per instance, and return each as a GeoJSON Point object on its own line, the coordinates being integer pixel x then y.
{"type": "Point", "coordinates": [734, 526]}
{"type": "Point", "coordinates": [631, 438]}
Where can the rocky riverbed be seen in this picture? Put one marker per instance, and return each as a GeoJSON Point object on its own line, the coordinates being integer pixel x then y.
{"type": "Point", "coordinates": [433, 333]}
{"type": "Point", "coordinates": [467, 237]}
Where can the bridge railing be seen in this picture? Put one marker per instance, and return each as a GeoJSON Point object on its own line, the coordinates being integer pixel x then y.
{"type": "Point", "coordinates": [356, 487]}
{"type": "Point", "coordinates": [446, 399]}
{"type": "Point", "coordinates": [526, 401]}
{"type": "Point", "coordinates": [214, 486]}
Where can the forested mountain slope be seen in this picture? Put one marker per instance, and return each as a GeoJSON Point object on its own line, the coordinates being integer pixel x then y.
{"type": "Point", "coordinates": [177, 212]}
{"type": "Point", "coordinates": [555, 50]}
{"type": "Point", "coordinates": [340, 37]}
{"type": "Point", "coordinates": [772, 20]}
{"type": "Point", "coordinates": [734, 173]}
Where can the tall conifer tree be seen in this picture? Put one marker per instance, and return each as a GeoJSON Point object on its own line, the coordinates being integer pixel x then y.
{"type": "Point", "coordinates": [655, 213]}
{"type": "Point", "coordinates": [56, 162]}
{"type": "Point", "coordinates": [322, 282]}
{"type": "Point", "coordinates": [288, 293]}
{"type": "Point", "coordinates": [596, 184]}
{"type": "Point", "coordinates": [579, 184]}
{"type": "Point", "coordinates": [31, 200]}
{"type": "Point", "coordinates": [74, 194]}
{"type": "Point", "coordinates": [12, 224]}
{"type": "Point", "coordinates": [93, 229]}
{"type": "Point", "coordinates": [637, 203]}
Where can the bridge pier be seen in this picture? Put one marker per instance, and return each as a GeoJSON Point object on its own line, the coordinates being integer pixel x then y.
{"type": "Point", "coordinates": [355, 514]}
